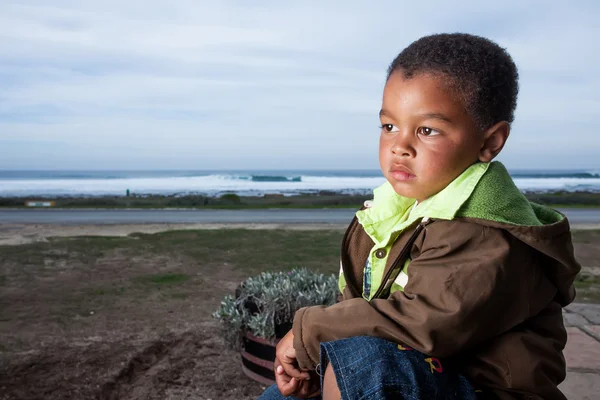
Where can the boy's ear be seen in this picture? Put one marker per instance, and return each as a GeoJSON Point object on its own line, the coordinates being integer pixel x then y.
{"type": "Point", "coordinates": [493, 141]}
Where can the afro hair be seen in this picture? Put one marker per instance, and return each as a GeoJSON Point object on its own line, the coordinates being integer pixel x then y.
{"type": "Point", "coordinates": [481, 72]}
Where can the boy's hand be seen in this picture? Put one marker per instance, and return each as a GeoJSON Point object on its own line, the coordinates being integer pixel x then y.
{"type": "Point", "coordinates": [289, 386]}
{"type": "Point", "coordinates": [286, 355]}
{"type": "Point", "coordinates": [291, 381]}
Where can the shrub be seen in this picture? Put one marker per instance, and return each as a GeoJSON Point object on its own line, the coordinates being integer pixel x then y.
{"type": "Point", "coordinates": [231, 198]}
{"type": "Point", "coordinates": [271, 299]}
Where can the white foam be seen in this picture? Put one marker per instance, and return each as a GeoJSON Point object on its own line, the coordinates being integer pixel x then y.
{"type": "Point", "coordinates": [201, 184]}
{"type": "Point", "coordinates": [568, 184]}
{"type": "Point", "coordinates": [214, 184]}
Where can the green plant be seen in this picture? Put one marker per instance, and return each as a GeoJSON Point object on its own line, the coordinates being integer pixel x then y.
{"type": "Point", "coordinates": [164, 279]}
{"type": "Point", "coordinates": [271, 299]}
{"type": "Point", "coordinates": [231, 198]}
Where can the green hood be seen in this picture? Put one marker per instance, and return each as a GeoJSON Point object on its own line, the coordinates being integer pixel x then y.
{"type": "Point", "coordinates": [497, 198]}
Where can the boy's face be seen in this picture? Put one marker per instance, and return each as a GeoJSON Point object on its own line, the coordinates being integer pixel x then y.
{"type": "Point", "coordinates": [427, 137]}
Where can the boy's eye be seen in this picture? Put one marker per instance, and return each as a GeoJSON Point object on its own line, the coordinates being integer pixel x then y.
{"type": "Point", "coordinates": [425, 131]}
{"type": "Point", "coordinates": [389, 128]}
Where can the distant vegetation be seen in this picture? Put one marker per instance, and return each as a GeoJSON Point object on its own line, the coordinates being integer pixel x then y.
{"type": "Point", "coordinates": [572, 199]}
{"type": "Point", "coordinates": [228, 200]}
{"type": "Point", "coordinates": [323, 199]}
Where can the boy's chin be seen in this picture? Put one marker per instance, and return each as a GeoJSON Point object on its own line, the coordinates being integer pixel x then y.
{"type": "Point", "coordinates": [404, 190]}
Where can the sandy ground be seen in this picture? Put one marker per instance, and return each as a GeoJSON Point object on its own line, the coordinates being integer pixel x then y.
{"type": "Point", "coordinates": [15, 234]}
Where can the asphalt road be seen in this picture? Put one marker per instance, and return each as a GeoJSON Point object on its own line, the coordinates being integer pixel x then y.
{"type": "Point", "coordinates": [268, 216]}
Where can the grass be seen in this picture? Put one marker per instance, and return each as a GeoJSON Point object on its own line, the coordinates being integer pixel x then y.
{"type": "Point", "coordinates": [84, 249]}
{"type": "Point", "coordinates": [74, 276]}
{"type": "Point", "coordinates": [587, 281]}
{"type": "Point", "coordinates": [247, 251]}
{"type": "Point", "coordinates": [588, 288]}
{"type": "Point", "coordinates": [164, 279]}
{"type": "Point", "coordinates": [234, 245]}
{"type": "Point", "coordinates": [252, 251]}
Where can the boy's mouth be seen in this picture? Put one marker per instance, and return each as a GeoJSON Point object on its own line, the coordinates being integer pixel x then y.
{"type": "Point", "coordinates": [401, 173]}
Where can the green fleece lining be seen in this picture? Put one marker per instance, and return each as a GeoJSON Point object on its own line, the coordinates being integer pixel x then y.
{"type": "Point", "coordinates": [497, 198]}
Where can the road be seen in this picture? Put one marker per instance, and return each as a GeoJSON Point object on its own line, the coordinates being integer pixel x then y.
{"type": "Point", "coordinates": [267, 216]}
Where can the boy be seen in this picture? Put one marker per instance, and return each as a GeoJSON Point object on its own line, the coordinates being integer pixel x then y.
{"type": "Point", "coordinates": [453, 283]}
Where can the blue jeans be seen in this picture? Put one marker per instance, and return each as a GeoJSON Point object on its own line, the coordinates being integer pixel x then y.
{"type": "Point", "coordinates": [370, 368]}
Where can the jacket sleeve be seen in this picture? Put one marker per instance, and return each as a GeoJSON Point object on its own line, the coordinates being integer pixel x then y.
{"type": "Point", "coordinates": [468, 283]}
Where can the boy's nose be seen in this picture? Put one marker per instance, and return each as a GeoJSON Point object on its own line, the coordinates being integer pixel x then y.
{"type": "Point", "coordinates": [402, 146]}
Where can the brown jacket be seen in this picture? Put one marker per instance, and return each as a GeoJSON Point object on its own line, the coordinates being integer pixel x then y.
{"type": "Point", "coordinates": [489, 292]}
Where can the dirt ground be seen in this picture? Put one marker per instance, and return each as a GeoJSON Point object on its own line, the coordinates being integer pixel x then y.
{"type": "Point", "coordinates": [82, 330]}
{"type": "Point", "coordinates": [134, 347]}
{"type": "Point", "coordinates": [130, 317]}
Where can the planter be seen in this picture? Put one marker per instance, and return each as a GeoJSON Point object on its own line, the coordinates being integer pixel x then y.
{"type": "Point", "coordinates": [258, 356]}
{"type": "Point", "coordinates": [249, 318]}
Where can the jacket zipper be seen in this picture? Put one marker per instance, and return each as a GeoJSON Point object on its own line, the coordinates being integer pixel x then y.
{"type": "Point", "coordinates": [401, 258]}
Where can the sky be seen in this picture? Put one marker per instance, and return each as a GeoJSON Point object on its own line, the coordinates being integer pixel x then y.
{"type": "Point", "coordinates": [194, 84]}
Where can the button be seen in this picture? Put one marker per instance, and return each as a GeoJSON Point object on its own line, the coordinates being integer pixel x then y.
{"type": "Point", "coordinates": [380, 253]}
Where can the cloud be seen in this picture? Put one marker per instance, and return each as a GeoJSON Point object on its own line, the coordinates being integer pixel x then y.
{"type": "Point", "coordinates": [199, 84]}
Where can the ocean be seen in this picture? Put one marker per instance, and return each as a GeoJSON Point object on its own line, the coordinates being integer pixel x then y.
{"type": "Point", "coordinates": [247, 183]}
